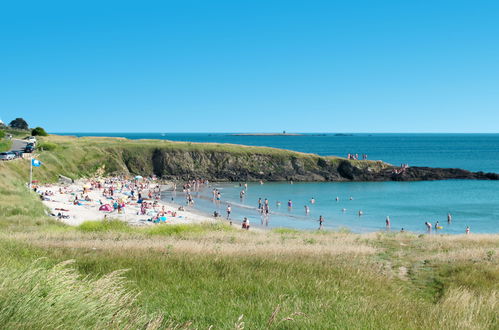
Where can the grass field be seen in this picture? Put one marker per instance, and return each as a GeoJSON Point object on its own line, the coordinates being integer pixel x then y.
{"type": "Point", "coordinates": [108, 275]}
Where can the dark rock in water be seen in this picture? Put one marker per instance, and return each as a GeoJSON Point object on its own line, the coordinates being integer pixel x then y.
{"type": "Point", "coordinates": [182, 164]}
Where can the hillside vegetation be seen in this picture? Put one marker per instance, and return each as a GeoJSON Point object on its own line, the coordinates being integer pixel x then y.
{"type": "Point", "coordinates": [72, 157]}
{"type": "Point", "coordinates": [104, 275]}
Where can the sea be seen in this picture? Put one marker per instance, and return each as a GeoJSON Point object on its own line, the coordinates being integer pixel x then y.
{"type": "Point", "coordinates": [407, 204]}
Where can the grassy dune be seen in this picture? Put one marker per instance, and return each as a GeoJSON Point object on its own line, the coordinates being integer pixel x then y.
{"type": "Point", "coordinates": [108, 275]}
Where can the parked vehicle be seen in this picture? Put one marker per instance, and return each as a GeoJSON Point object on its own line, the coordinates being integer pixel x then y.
{"type": "Point", "coordinates": [7, 156]}
{"type": "Point", "coordinates": [29, 148]}
{"type": "Point", "coordinates": [31, 139]}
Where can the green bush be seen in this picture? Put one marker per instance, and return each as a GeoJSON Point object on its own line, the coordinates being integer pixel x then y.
{"type": "Point", "coordinates": [38, 131]}
{"type": "Point", "coordinates": [2, 134]}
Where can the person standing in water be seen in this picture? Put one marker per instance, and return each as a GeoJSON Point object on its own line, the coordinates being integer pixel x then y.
{"type": "Point", "coordinates": [229, 209]}
{"type": "Point", "coordinates": [290, 204]}
{"type": "Point", "coordinates": [321, 222]}
{"type": "Point", "coordinates": [387, 221]}
{"type": "Point", "coordinates": [312, 201]}
{"type": "Point", "coordinates": [467, 230]}
{"type": "Point", "coordinates": [260, 203]}
{"type": "Point", "coordinates": [449, 218]}
{"type": "Point", "coordinates": [307, 209]}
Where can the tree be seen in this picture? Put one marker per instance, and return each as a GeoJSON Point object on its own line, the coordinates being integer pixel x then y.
{"type": "Point", "coordinates": [19, 123]}
{"type": "Point", "coordinates": [38, 131]}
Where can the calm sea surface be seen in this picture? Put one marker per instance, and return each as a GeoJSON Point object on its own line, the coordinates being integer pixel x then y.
{"type": "Point", "coordinates": [408, 204]}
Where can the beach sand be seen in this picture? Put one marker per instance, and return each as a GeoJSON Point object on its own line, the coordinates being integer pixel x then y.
{"type": "Point", "coordinates": [89, 210]}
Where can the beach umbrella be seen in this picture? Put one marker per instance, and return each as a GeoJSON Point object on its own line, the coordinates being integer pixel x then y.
{"type": "Point", "coordinates": [138, 177]}
{"type": "Point", "coordinates": [106, 208]}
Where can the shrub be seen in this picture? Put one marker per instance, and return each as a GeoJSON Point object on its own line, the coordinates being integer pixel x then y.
{"type": "Point", "coordinates": [38, 131]}
{"type": "Point", "coordinates": [2, 134]}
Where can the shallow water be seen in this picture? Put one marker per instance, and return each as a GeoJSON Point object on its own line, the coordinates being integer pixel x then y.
{"type": "Point", "coordinates": [408, 204]}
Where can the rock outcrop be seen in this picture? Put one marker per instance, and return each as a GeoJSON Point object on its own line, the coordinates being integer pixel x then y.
{"type": "Point", "coordinates": [178, 164]}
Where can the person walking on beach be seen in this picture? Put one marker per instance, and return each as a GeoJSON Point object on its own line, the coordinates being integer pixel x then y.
{"type": "Point", "coordinates": [229, 209]}
{"type": "Point", "coordinates": [321, 222]}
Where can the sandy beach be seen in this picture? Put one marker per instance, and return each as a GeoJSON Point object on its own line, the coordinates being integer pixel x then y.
{"type": "Point", "coordinates": [60, 199]}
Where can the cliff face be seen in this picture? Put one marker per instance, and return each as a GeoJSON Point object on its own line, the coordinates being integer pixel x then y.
{"type": "Point", "coordinates": [232, 166]}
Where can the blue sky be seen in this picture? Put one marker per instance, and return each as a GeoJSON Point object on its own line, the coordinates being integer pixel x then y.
{"type": "Point", "coordinates": [251, 66]}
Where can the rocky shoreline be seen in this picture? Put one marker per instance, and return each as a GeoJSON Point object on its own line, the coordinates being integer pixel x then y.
{"type": "Point", "coordinates": [173, 164]}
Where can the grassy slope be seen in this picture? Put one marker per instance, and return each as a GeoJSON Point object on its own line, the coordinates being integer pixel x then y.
{"type": "Point", "coordinates": [5, 145]}
{"type": "Point", "coordinates": [212, 275]}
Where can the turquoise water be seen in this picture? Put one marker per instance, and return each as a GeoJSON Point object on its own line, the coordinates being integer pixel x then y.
{"type": "Point", "coordinates": [409, 204]}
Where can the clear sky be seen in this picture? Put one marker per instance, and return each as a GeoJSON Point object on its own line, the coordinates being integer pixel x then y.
{"type": "Point", "coordinates": [251, 66]}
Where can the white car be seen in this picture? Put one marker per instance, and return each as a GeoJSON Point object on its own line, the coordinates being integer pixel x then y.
{"type": "Point", "coordinates": [7, 156]}
{"type": "Point", "coordinates": [31, 139]}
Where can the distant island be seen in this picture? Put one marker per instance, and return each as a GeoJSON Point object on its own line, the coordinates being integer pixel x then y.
{"type": "Point", "coordinates": [266, 134]}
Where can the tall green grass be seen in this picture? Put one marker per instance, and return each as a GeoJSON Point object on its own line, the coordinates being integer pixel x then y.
{"type": "Point", "coordinates": [37, 297]}
{"type": "Point", "coordinates": [118, 226]}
